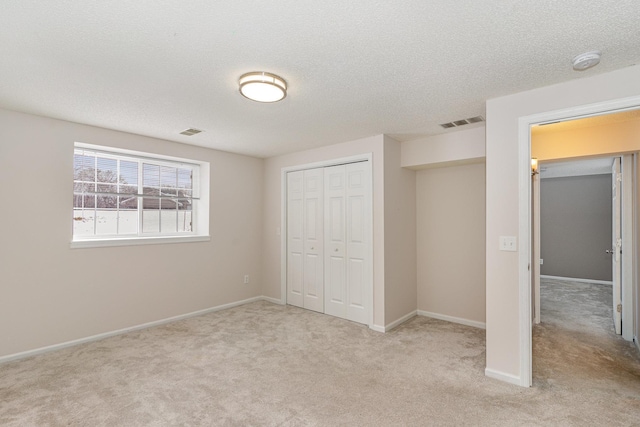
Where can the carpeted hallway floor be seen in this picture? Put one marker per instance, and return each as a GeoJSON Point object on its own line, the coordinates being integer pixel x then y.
{"type": "Point", "coordinates": [267, 365]}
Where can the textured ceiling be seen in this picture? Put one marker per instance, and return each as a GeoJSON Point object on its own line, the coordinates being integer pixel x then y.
{"type": "Point", "coordinates": [354, 69]}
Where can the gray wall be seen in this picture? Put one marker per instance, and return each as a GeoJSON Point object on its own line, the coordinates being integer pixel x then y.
{"type": "Point", "coordinates": [575, 226]}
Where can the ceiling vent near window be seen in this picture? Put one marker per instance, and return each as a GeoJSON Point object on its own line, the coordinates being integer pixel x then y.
{"type": "Point", "coordinates": [190, 132]}
{"type": "Point", "coordinates": [462, 122]}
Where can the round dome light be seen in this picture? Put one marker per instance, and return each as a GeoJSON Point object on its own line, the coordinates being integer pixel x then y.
{"type": "Point", "coordinates": [261, 86]}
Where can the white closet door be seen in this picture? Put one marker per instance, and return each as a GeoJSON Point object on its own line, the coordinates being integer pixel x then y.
{"type": "Point", "coordinates": [313, 271]}
{"type": "Point", "coordinates": [335, 254]}
{"type": "Point", "coordinates": [295, 244]}
{"type": "Point", "coordinates": [357, 249]}
{"type": "Point", "coordinates": [347, 197]}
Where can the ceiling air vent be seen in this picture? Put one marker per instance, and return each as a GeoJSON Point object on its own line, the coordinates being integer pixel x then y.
{"type": "Point", "coordinates": [190, 132]}
{"type": "Point", "coordinates": [462, 122]}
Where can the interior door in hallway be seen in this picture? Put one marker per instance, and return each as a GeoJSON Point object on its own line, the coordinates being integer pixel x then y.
{"type": "Point", "coordinates": [347, 195]}
{"type": "Point", "coordinates": [616, 244]}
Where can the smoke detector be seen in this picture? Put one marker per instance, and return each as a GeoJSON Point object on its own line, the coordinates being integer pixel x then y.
{"type": "Point", "coordinates": [587, 60]}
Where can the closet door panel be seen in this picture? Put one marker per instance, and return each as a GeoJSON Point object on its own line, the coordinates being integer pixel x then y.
{"type": "Point", "coordinates": [313, 275]}
{"type": "Point", "coordinates": [357, 249]}
{"type": "Point", "coordinates": [335, 232]}
{"type": "Point", "coordinates": [295, 244]}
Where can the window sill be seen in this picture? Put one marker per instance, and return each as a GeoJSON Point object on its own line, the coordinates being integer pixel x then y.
{"type": "Point", "coordinates": [135, 241]}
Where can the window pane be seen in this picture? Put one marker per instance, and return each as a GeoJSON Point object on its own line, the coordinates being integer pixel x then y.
{"type": "Point", "coordinates": [150, 177]}
{"type": "Point", "coordinates": [128, 189]}
{"type": "Point", "coordinates": [106, 221]}
{"type": "Point", "coordinates": [83, 221]}
{"type": "Point", "coordinates": [168, 218]}
{"type": "Point", "coordinates": [106, 188]}
{"type": "Point", "coordinates": [83, 167]}
{"type": "Point", "coordinates": [107, 170]}
{"type": "Point", "coordinates": [128, 172]}
{"type": "Point", "coordinates": [128, 215]}
{"type": "Point", "coordinates": [128, 203]}
{"type": "Point", "coordinates": [184, 178]}
{"type": "Point", "coordinates": [184, 216]}
{"type": "Point", "coordinates": [82, 187]}
{"type": "Point", "coordinates": [151, 221]}
{"type": "Point", "coordinates": [168, 177]}
{"type": "Point", "coordinates": [89, 201]}
{"type": "Point", "coordinates": [106, 202]}
{"type": "Point", "coordinates": [77, 201]}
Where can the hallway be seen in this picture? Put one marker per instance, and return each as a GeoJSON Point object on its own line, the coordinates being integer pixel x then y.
{"type": "Point", "coordinates": [575, 345]}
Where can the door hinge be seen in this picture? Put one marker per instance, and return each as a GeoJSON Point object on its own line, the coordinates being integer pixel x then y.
{"type": "Point", "coordinates": [619, 308]}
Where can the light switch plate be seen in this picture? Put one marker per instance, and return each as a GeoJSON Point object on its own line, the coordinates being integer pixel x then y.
{"type": "Point", "coordinates": [508, 243]}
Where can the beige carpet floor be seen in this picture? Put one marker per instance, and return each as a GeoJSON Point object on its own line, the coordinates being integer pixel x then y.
{"type": "Point", "coordinates": [267, 365]}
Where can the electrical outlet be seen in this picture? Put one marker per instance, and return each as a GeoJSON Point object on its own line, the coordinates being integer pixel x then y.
{"type": "Point", "coordinates": [246, 279]}
{"type": "Point", "coordinates": [541, 261]}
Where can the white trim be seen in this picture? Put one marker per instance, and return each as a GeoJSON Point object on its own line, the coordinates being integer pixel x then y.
{"type": "Point", "coordinates": [460, 320]}
{"type": "Point", "coordinates": [400, 321]}
{"type": "Point", "coordinates": [574, 279]}
{"type": "Point", "coordinates": [535, 261]}
{"type": "Point", "coordinates": [508, 378]}
{"type": "Point", "coordinates": [272, 300]}
{"type": "Point", "coordinates": [524, 211]}
{"type": "Point", "coordinates": [635, 340]}
{"type": "Point", "coordinates": [364, 157]}
{"type": "Point", "coordinates": [54, 347]}
{"type": "Point", "coordinates": [524, 255]}
{"type": "Point", "coordinates": [134, 241]}
{"type": "Point", "coordinates": [377, 328]}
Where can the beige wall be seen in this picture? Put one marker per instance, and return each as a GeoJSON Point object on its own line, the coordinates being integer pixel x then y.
{"type": "Point", "coordinates": [399, 235]}
{"type": "Point", "coordinates": [50, 294]}
{"type": "Point", "coordinates": [451, 241]}
{"type": "Point", "coordinates": [503, 214]}
{"type": "Point", "coordinates": [449, 149]}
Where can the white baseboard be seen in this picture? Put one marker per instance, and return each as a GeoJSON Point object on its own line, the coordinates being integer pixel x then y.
{"type": "Point", "coordinates": [273, 300]}
{"type": "Point", "coordinates": [508, 378]}
{"type": "Point", "coordinates": [98, 337]}
{"type": "Point", "coordinates": [400, 321]}
{"type": "Point", "coordinates": [574, 279]}
{"type": "Point", "coordinates": [453, 319]}
{"type": "Point", "coordinates": [377, 328]}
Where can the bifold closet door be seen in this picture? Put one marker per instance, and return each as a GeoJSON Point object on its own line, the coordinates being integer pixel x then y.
{"type": "Point", "coordinates": [305, 235]}
{"type": "Point", "coordinates": [347, 194]}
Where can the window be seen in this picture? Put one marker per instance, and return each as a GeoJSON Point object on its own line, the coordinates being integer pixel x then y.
{"type": "Point", "coordinates": [124, 196]}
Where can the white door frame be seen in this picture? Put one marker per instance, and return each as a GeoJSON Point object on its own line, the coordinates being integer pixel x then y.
{"type": "Point", "coordinates": [368, 157]}
{"type": "Point", "coordinates": [524, 211]}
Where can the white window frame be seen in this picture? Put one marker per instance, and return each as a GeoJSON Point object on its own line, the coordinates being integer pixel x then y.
{"type": "Point", "coordinates": [200, 212]}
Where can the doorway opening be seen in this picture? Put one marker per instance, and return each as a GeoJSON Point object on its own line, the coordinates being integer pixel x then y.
{"type": "Point", "coordinates": [526, 308]}
{"type": "Point", "coordinates": [577, 229]}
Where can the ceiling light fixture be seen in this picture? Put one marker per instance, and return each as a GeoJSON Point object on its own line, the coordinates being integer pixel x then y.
{"type": "Point", "coordinates": [586, 60]}
{"type": "Point", "coordinates": [261, 86]}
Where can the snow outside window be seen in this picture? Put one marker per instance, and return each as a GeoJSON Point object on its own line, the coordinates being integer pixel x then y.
{"type": "Point", "coordinates": [122, 196]}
